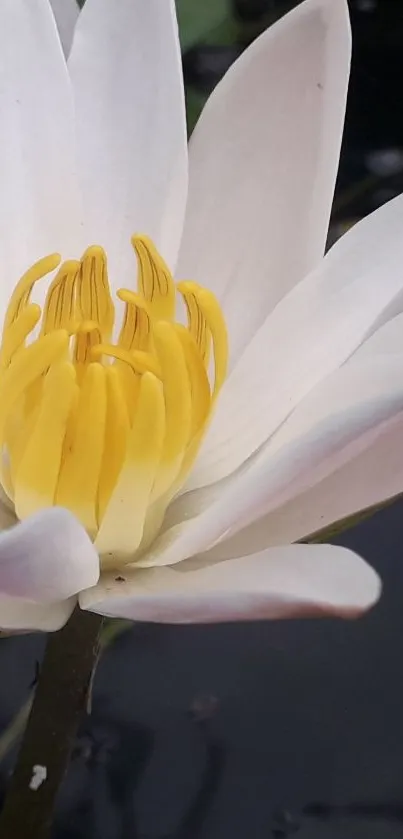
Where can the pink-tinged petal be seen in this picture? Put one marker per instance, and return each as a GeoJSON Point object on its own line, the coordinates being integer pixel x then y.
{"type": "Point", "coordinates": [388, 339]}
{"type": "Point", "coordinates": [66, 13]}
{"type": "Point", "coordinates": [126, 70]}
{"type": "Point", "coordinates": [47, 558]}
{"type": "Point", "coordinates": [17, 614]}
{"type": "Point", "coordinates": [291, 581]}
{"type": "Point", "coordinates": [262, 165]}
{"type": "Point", "coordinates": [329, 428]}
{"type": "Point", "coordinates": [314, 330]}
{"type": "Point", "coordinates": [39, 205]}
{"type": "Point", "coordinates": [367, 480]}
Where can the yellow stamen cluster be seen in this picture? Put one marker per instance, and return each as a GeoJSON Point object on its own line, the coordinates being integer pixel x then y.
{"type": "Point", "coordinates": [106, 426]}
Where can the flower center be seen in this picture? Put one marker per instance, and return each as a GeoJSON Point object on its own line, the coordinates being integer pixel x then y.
{"type": "Point", "coordinates": [108, 428]}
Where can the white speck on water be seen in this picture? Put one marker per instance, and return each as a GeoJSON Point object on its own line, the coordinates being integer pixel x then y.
{"type": "Point", "coordinates": [39, 775]}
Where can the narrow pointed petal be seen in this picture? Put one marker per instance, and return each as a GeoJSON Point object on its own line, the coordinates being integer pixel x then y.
{"type": "Point", "coordinates": [292, 581]}
{"type": "Point", "coordinates": [47, 558]}
{"type": "Point", "coordinates": [125, 67]}
{"type": "Point", "coordinates": [17, 614]}
{"type": "Point", "coordinates": [314, 330]}
{"type": "Point", "coordinates": [262, 165]}
{"type": "Point", "coordinates": [66, 13]}
{"type": "Point", "coordinates": [39, 209]}
{"type": "Point", "coordinates": [330, 427]}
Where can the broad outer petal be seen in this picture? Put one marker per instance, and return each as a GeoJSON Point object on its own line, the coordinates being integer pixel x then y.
{"type": "Point", "coordinates": [369, 479]}
{"type": "Point", "coordinates": [262, 165]}
{"type": "Point", "coordinates": [39, 205]}
{"type": "Point", "coordinates": [126, 70]}
{"type": "Point", "coordinates": [330, 427]}
{"type": "Point", "coordinates": [388, 339]}
{"type": "Point", "coordinates": [314, 330]}
{"type": "Point", "coordinates": [66, 13]}
{"type": "Point", "coordinates": [19, 614]}
{"type": "Point", "coordinates": [285, 582]}
{"type": "Point", "coordinates": [47, 558]}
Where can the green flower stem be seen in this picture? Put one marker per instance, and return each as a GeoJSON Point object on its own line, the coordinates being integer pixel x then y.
{"type": "Point", "coordinates": [111, 630]}
{"type": "Point", "coordinates": [14, 730]}
{"type": "Point", "coordinates": [61, 698]}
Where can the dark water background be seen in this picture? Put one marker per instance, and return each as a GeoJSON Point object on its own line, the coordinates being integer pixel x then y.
{"type": "Point", "coordinates": [270, 730]}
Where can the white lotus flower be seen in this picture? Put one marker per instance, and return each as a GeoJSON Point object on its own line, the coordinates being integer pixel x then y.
{"type": "Point", "coordinates": [186, 513]}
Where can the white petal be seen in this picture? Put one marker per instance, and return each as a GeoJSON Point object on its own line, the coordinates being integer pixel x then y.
{"type": "Point", "coordinates": [39, 210]}
{"type": "Point", "coordinates": [372, 477]}
{"type": "Point", "coordinates": [125, 66]}
{"type": "Point", "coordinates": [309, 334]}
{"type": "Point", "coordinates": [284, 582]}
{"type": "Point", "coordinates": [18, 614]}
{"type": "Point", "coordinates": [262, 165]}
{"type": "Point", "coordinates": [47, 558]}
{"type": "Point", "coordinates": [66, 13]}
{"type": "Point", "coordinates": [386, 340]}
{"type": "Point", "coordinates": [327, 429]}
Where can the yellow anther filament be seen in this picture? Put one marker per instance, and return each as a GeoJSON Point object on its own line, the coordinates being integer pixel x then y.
{"type": "Point", "coordinates": [38, 472]}
{"type": "Point", "coordinates": [136, 327]}
{"type": "Point", "coordinates": [86, 340]}
{"type": "Point", "coordinates": [21, 294]}
{"type": "Point", "coordinates": [18, 331]}
{"type": "Point", "coordinates": [155, 281]}
{"type": "Point", "coordinates": [94, 300]}
{"type": "Point", "coordinates": [108, 427]}
{"type": "Point", "coordinates": [140, 362]}
{"type": "Point", "coordinates": [198, 380]}
{"type": "Point", "coordinates": [79, 477]}
{"type": "Point", "coordinates": [197, 324]}
{"type": "Point", "coordinates": [59, 310]}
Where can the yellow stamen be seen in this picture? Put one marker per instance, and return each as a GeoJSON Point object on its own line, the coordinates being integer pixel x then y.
{"type": "Point", "coordinates": [21, 294]}
{"type": "Point", "coordinates": [116, 432]}
{"type": "Point", "coordinates": [107, 428]}
{"type": "Point", "coordinates": [154, 280]}
{"type": "Point", "coordinates": [177, 405]}
{"type": "Point", "coordinates": [196, 321]}
{"type": "Point", "coordinates": [18, 331]}
{"type": "Point", "coordinates": [213, 316]}
{"type": "Point", "coordinates": [94, 300]}
{"type": "Point", "coordinates": [86, 340]}
{"type": "Point", "coordinates": [135, 331]}
{"type": "Point", "coordinates": [121, 530]}
{"type": "Point", "coordinates": [28, 366]}
{"type": "Point", "coordinates": [38, 472]}
{"type": "Point", "coordinates": [140, 362]}
{"type": "Point", "coordinates": [205, 319]}
{"type": "Point", "coordinates": [82, 462]}
{"type": "Point", "coordinates": [198, 380]}
{"type": "Point", "coordinates": [59, 310]}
